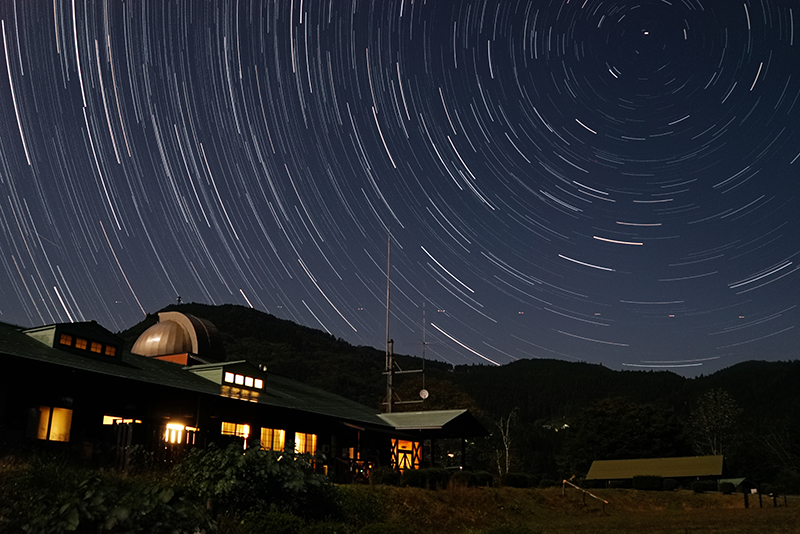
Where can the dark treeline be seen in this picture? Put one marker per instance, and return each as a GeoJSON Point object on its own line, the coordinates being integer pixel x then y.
{"type": "Point", "coordinates": [549, 418]}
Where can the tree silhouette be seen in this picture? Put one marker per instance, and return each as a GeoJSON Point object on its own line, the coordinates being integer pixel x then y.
{"type": "Point", "coordinates": [713, 422]}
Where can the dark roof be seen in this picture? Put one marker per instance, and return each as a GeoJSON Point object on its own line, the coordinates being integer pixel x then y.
{"type": "Point", "coordinates": [686, 466]}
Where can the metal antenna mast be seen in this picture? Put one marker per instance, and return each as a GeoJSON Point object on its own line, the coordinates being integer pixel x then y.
{"type": "Point", "coordinates": [389, 343]}
{"type": "Point", "coordinates": [390, 363]}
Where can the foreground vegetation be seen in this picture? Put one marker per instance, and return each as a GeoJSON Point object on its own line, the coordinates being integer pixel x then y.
{"type": "Point", "coordinates": [227, 492]}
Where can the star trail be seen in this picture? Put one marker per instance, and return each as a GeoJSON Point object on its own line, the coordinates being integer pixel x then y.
{"type": "Point", "coordinates": [604, 181]}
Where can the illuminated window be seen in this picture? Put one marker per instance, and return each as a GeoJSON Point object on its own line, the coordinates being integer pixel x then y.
{"type": "Point", "coordinates": [65, 339]}
{"type": "Point", "coordinates": [54, 423]}
{"type": "Point", "coordinates": [96, 347]}
{"type": "Point", "coordinates": [273, 439]}
{"type": "Point", "coordinates": [80, 343]}
{"type": "Point", "coordinates": [239, 380]}
{"type": "Point", "coordinates": [233, 429]}
{"type": "Point", "coordinates": [258, 383]}
{"type": "Point", "coordinates": [305, 443]}
{"type": "Point", "coordinates": [110, 351]}
{"type": "Point", "coordinates": [229, 377]}
{"type": "Point", "coordinates": [174, 433]}
{"type": "Point", "coordinates": [406, 454]}
{"type": "Point", "coordinates": [114, 420]}
{"type": "Point", "coordinates": [248, 381]}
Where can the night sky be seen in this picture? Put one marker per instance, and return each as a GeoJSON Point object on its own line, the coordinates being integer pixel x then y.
{"type": "Point", "coordinates": [614, 182]}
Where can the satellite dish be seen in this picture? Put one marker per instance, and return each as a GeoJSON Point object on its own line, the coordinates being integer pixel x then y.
{"type": "Point", "coordinates": [423, 393]}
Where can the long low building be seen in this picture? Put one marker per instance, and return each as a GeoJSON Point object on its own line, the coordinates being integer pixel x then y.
{"type": "Point", "coordinates": [72, 383]}
{"type": "Point", "coordinates": [678, 468]}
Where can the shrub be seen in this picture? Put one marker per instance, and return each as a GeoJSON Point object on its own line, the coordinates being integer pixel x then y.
{"type": "Point", "coordinates": [257, 480]}
{"type": "Point", "coordinates": [669, 484]}
{"type": "Point", "coordinates": [547, 483]}
{"type": "Point", "coordinates": [700, 486]}
{"type": "Point", "coordinates": [57, 498]}
{"type": "Point", "coordinates": [462, 478]}
{"type": "Point", "coordinates": [647, 482]}
{"type": "Point", "coordinates": [386, 476]}
{"type": "Point", "coordinates": [437, 478]}
{"type": "Point", "coordinates": [727, 488]}
{"type": "Point", "coordinates": [483, 478]}
{"type": "Point", "coordinates": [415, 478]}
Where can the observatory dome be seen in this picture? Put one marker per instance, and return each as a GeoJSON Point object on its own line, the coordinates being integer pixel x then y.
{"type": "Point", "coordinates": [163, 338]}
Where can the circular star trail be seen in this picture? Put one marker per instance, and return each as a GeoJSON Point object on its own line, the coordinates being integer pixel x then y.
{"type": "Point", "coordinates": [602, 181]}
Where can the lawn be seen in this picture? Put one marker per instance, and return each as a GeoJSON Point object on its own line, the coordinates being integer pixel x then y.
{"type": "Point", "coordinates": [549, 511]}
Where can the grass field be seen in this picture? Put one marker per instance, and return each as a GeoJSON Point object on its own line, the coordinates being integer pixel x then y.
{"type": "Point", "coordinates": [548, 511]}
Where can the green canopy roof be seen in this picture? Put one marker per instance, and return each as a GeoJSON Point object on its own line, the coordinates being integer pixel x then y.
{"type": "Point", "coordinates": [686, 466]}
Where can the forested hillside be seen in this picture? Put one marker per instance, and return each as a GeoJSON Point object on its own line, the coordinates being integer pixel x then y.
{"type": "Point", "coordinates": [557, 416]}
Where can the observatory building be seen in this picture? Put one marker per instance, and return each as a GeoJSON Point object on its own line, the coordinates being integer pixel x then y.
{"type": "Point", "coordinates": [72, 385]}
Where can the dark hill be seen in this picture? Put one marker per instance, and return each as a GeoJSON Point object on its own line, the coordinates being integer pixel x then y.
{"type": "Point", "coordinates": [581, 400]}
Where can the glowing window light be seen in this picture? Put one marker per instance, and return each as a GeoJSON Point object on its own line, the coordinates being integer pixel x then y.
{"type": "Point", "coordinates": [229, 377]}
{"type": "Point", "coordinates": [234, 429]}
{"type": "Point", "coordinates": [305, 443]}
{"type": "Point", "coordinates": [174, 433]}
{"type": "Point", "coordinates": [258, 383]}
{"type": "Point", "coordinates": [110, 419]}
{"type": "Point", "coordinates": [81, 343]}
{"type": "Point", "coordinates": [273, 439]}
{"type": "Point", "coordinates": [110, 350]}
{"type": "Point", "coordinates": [96, 347]}
{"type": "Point", "coordinates": [239, 380]}
{"type": "Point", "coordinates": [54, 423]}
{"type": "Point", "coordinates": [65, 339]}
{"type": "Point", "coordinates": [248, 381]}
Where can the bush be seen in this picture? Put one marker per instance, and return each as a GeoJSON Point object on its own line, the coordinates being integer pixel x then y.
{"type": "Point", "coordinates": [386, 476]}
{"type": "Point", "coordinates": [647, 482]}
{"type": "Point", "coordinates": [669, 484]}
{"type": "Point", "coordinates": [437, 478]}
{"type": "Point", "coordinates": [257, 480]}
{"type": "Point", "coordinates": [56, 498]}
{"type": "Point", "coordinates": [727, 488]}
{"type": "Point", "coordinates": [483, 479]}
{"type": "Point", "coordinates": [547, 483]}
{"type": "Point", "coordinates": [619, 484]}
{"type": "Point", "coordinates": [700, 486]}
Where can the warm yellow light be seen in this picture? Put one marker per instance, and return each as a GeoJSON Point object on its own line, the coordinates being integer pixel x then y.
{"type": "Point", "coordinates": [109, 419]}
{"type": "Point", "coordinates": [54, 423]}
{"type": "Point", "coordinates": [239, 380]}
{"type": "Point", "coordinates": [273, 439]}
{"type": "Point", "coordinates": [305, 443]}
{"type": "Point", "coordinates": [258, 383]}
{"type": "Point", "coordinates": [229, 377]}
{"type": "Point", "coordinates": [174, 433]}
{"type": "Point", "coordinates": [248, 381]}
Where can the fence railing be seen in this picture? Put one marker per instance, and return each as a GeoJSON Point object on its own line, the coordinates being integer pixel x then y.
{"type": "Point", "coordinates": [585, 493]}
